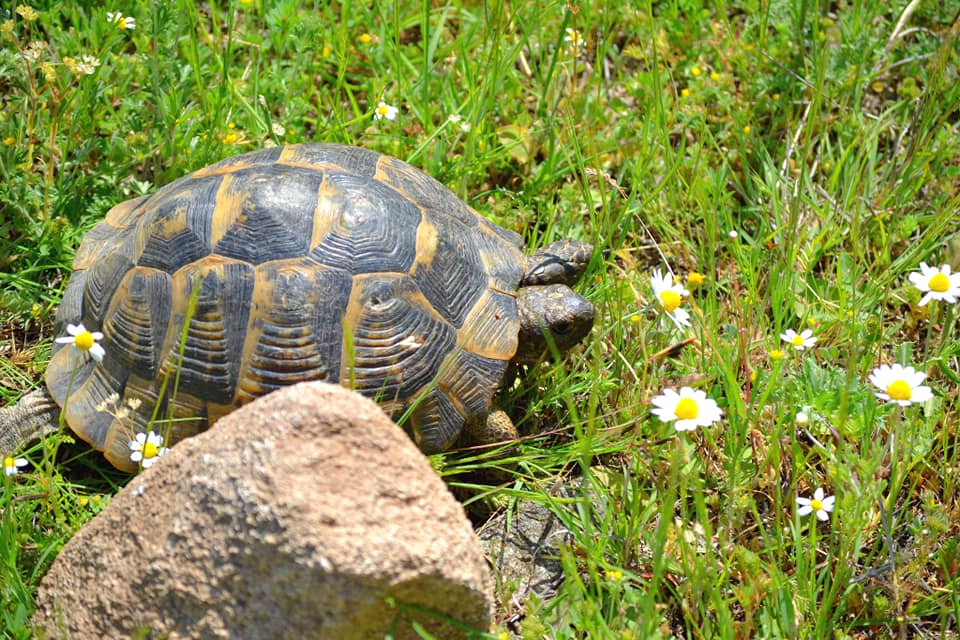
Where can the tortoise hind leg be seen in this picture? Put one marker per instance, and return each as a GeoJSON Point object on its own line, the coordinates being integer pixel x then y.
{"type": "Point", "coordinates": [34, 416]}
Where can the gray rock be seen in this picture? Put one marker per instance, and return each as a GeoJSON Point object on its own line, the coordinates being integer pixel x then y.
{"type": "Point", "coordinates": [524, 542]}
{"type": "Point", "coordinates": [305, 514]}
{"type": "Point", "coordinates": [523, 545]}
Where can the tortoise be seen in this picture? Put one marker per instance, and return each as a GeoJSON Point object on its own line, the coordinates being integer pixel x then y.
{"type": "Point", "coordinates": [304, 262]}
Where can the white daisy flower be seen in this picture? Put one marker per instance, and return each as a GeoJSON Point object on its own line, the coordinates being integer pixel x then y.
{"type": "Point", "coordinates": [574, 38]}
{"type": "Point", "coordinates": [87, 65]}
{"type": "Point", "coordinates": [669, 296]}
{"type": "Point", "coordinates": [689, 409]}
{"type": "Point", "coordinates": [937, 284]}
{"type": "Point", "coordinates": [84, 340]}
{"type": "Point", "coordinates": [122, 22]}
{"type": "Point", "coordinates": [385, 110]}
{"type": "Point", "coordinates": [820, 504]}
{"type": "Point", "coordinates": [146, 448]}
{"type": "Point", "coordinates": [12, 466]}
{"type": "Point", "coordinates": [900, 384]}
{"type": "Point", "coordinates": [799, 341]}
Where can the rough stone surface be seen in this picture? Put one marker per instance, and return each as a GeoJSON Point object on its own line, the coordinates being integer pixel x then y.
{"type": "Point", "coordinates": [523, 545]}
{"type": "Point", "coordinates": [300, 515]}
{"type": "Point", "coordinates": [523, 542]}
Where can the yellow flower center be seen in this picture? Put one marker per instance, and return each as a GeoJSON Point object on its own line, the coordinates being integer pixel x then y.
{"type": "Point", "coordinates": [670, 300]}
{"type": "Point", "coordinates": [939, 283]}
{"type": "Point", "coordinates": [797, 341]}
{"type": "Point", "coordinates": [149, 450]}
{"type": "Point", "coordinates": [383, 110]}
{"type": "Point", "coordinates": [8, 462]}
{"type": "Point", "coordinates": [816, 505]}
{"type": "Point", "coordinates": [899, 390]}
{"type": "Point", "coordinates": [686, 409]}
{"type": "Point", "coordinates": [84, 340]}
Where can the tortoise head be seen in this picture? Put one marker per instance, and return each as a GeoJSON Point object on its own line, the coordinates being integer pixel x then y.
{"type": "Point", "coordinates": [561, 262]}
{"type": "Point", "coordinates": [551, 316]}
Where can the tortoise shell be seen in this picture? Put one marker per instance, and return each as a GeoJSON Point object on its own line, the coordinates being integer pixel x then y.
{"type": "Point", "coordinates": [305, 262]}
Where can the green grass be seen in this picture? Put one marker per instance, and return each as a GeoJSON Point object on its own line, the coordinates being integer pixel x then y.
{"type": "Point", "coordinates": [822, 134]}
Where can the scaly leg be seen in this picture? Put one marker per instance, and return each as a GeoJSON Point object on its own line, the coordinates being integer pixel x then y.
{"type": "Point", "coordinates": [34, 416]}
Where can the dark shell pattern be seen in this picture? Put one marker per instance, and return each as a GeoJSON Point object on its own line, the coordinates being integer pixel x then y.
{"type": "Point", "coordinates": [305, 262]}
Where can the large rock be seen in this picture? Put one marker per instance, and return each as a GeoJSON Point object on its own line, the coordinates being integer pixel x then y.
{"type": "Point", "coordinates": [305, 514]}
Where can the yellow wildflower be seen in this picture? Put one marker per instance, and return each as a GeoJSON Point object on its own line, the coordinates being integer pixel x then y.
{"type": "Point", "coordinates": [29, 14]}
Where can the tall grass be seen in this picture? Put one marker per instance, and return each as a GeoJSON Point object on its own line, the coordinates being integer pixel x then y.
{"type": "Point", "coordinates": [801, 156]}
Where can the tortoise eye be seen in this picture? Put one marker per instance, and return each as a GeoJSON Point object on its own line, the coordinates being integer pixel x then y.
{"type": "Point", "coordinates": [560, 328]}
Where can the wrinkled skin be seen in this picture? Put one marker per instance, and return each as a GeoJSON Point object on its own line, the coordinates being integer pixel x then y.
{"type": "Point", "coordinates": [552, 317]}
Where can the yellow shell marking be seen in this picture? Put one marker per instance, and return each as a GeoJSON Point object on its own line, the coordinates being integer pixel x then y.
{"type": "Point", "coordinates": [229, 210]}
{"type": "Point", "coordinates": [426, 245]}
{"type": "Point", "coordinates": [327, 212]}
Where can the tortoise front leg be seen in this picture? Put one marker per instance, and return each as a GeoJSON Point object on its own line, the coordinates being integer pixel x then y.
{"type": "Point", "coordinates": [34, 416]}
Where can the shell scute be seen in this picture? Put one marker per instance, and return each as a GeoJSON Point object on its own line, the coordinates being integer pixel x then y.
{"type": "Point", "coordinates": [209, 355]}
{"type": "Point", "coordinates": [175, 228]}
{"type": "Point", "coordinates": [396, 341]}
{"type": "Point", "coordinates": [467, 378]}
{"type": "Point", "coordinates": [110, 235]}
{"type": "Point", "coordinates": [179, 415]}
{"type": "Point", "coordinates": [295, 333]}
{"type": "Point", "coordinates": [369, 227]}
{"type": "Point", "coordinates": [101, 281]}
{"type": "Point", "coordinates": [502, 256]}
{"type": "Point", "coordinates": [427, 192]}
{"type": "Point", "coordinates": [449, 270]}
{"type": "Point", "coordinates": [488, 329]}
{"type": "Point", "coordinates": [260, 213]}
{"type": "Point", "coordinates": [137, 321]}
{"type": "Point", "coordinates": [435, 422]}
{"type": "Point", "coordinates": [86, 397]}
